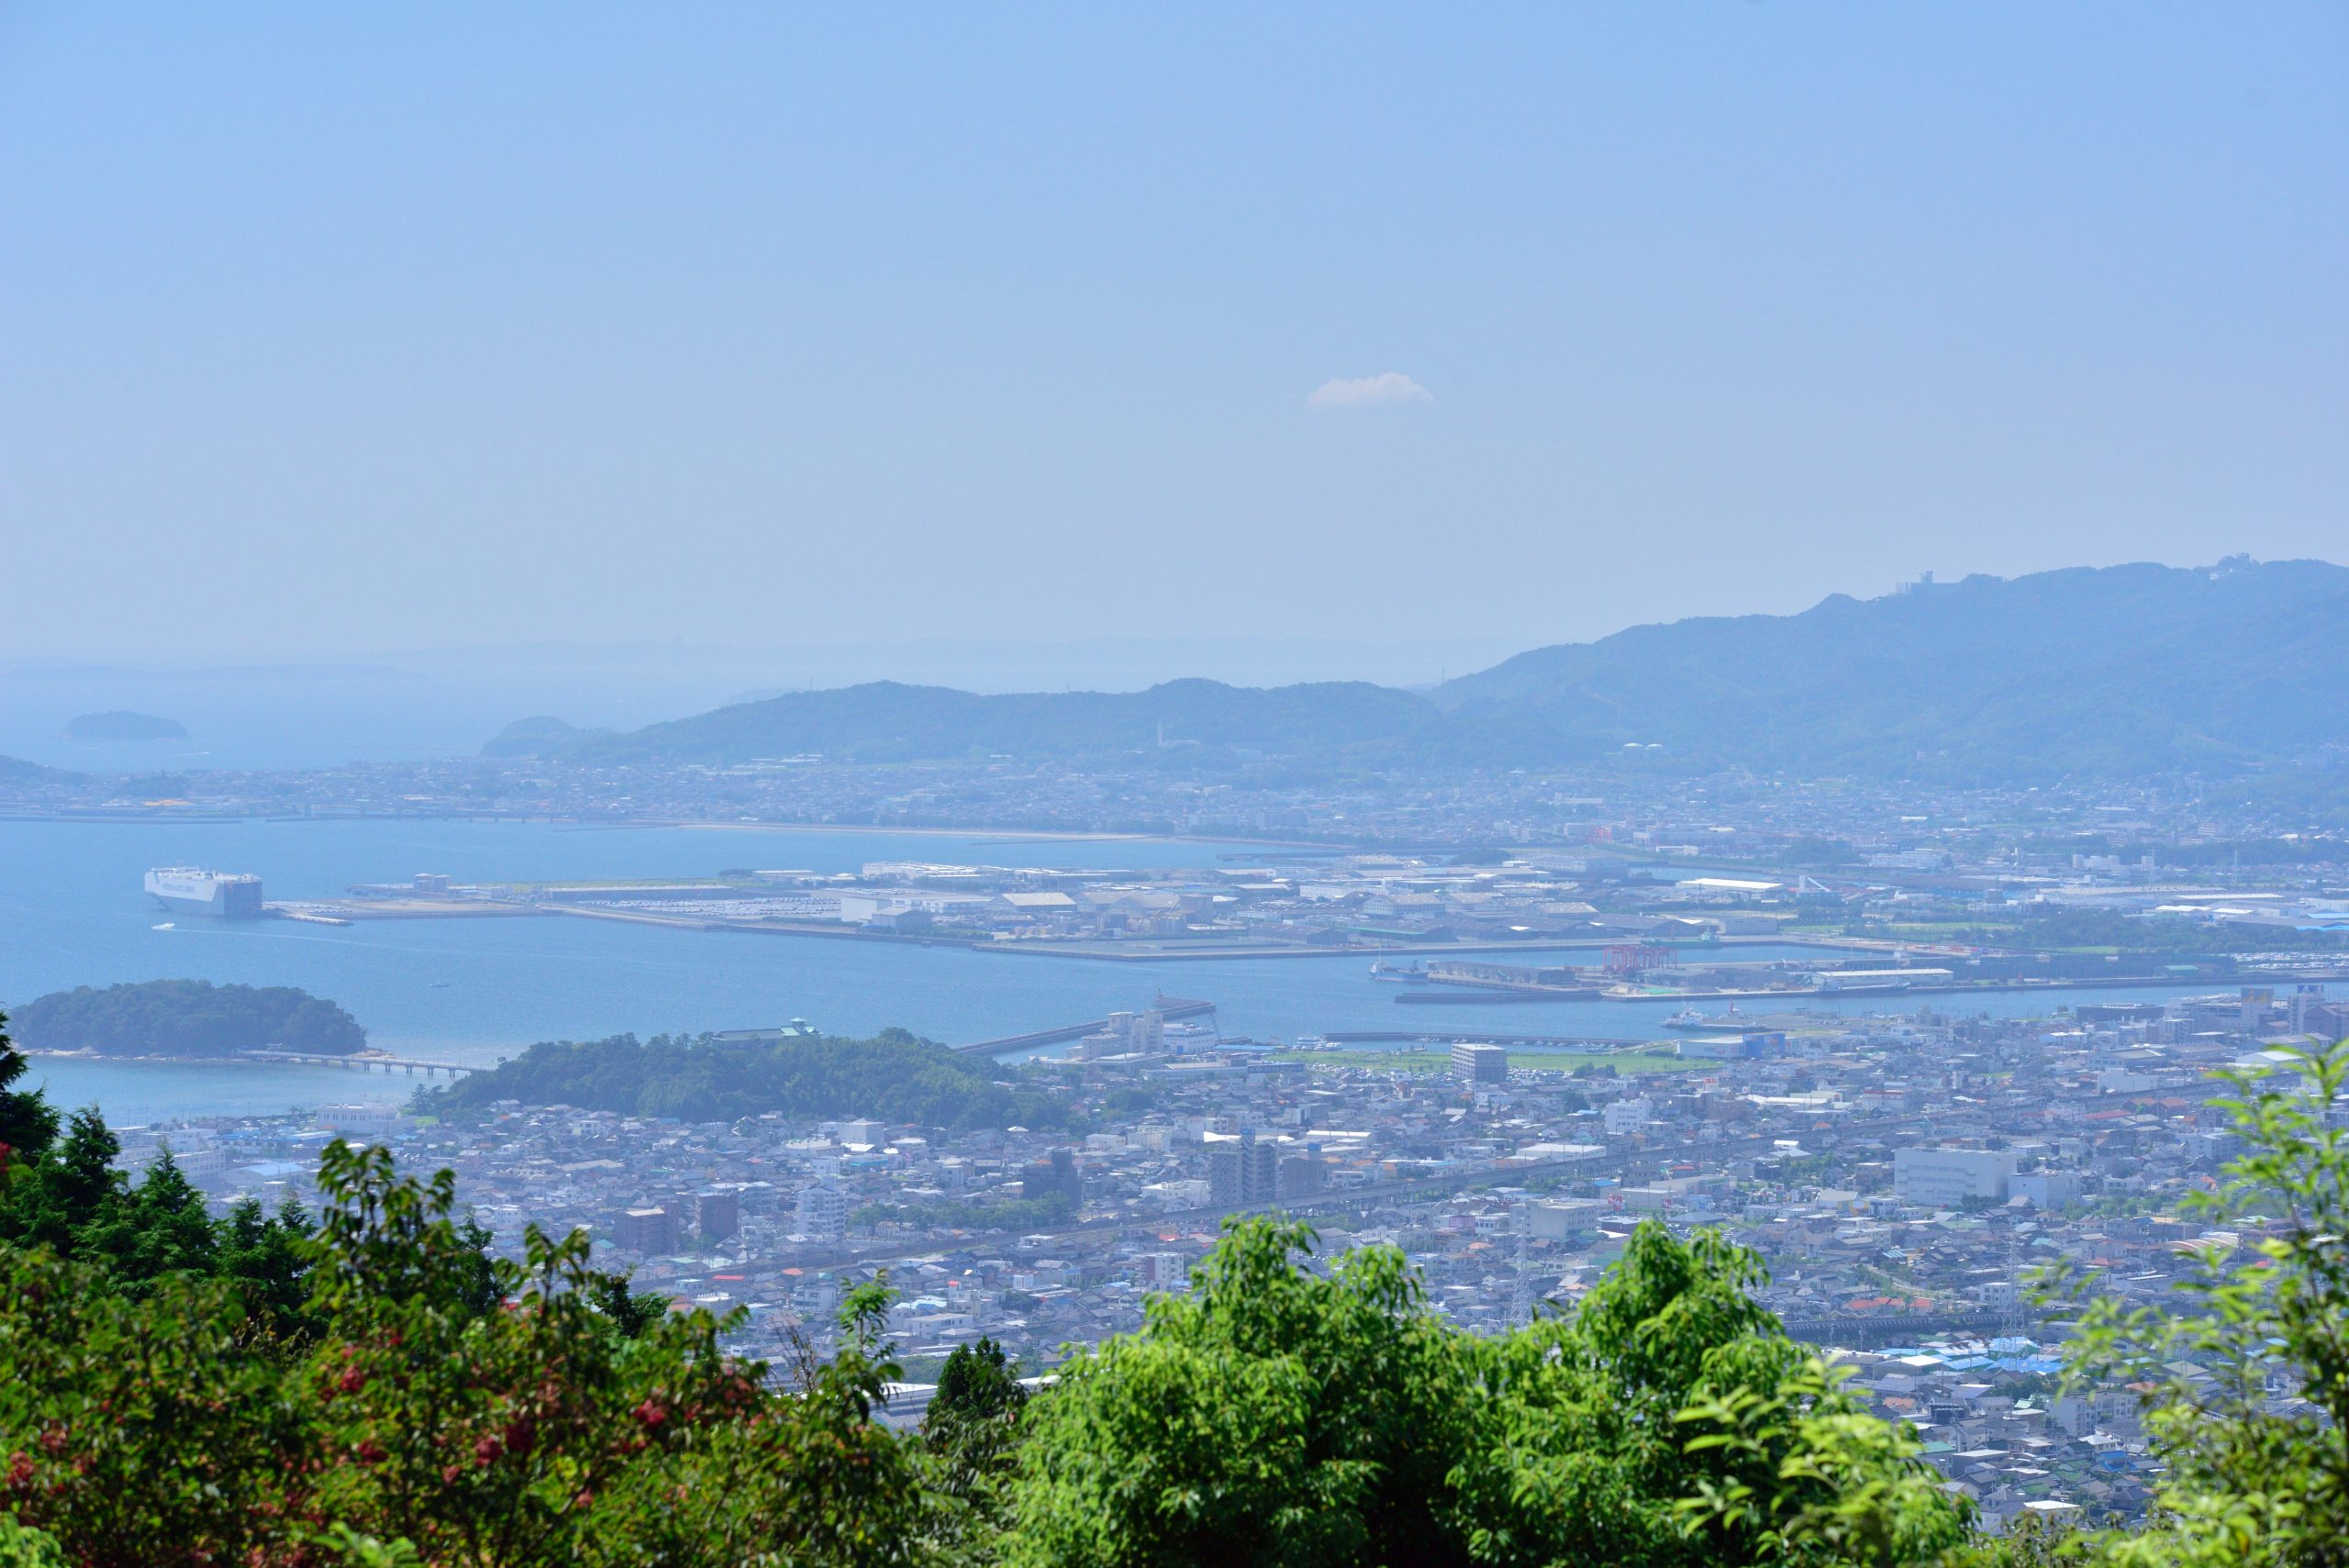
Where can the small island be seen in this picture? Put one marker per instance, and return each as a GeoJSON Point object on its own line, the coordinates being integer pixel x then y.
{"type": "Point", "coordinates": [124, 726]}
{"type": "Point", "coordinates": [185, 1018]}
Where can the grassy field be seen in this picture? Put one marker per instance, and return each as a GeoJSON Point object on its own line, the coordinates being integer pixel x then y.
{"type": "Point", "coordinates": [1627, 1065]}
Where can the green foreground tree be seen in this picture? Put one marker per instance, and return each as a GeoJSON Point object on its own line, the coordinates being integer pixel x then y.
{"type": "Point", "coordinates": [28, 1123]}
{"type": "Point", "coordinates": [1282, 1415]}
{"type": "Point", "coordinates": [427, 1418]}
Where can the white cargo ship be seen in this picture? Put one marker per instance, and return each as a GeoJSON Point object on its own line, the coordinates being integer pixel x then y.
{"type": "Point", "coordinates": [232, 895]}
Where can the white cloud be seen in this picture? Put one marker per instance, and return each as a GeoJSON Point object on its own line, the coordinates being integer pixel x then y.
{"type": "Point", "coordinates": [1368, 392]}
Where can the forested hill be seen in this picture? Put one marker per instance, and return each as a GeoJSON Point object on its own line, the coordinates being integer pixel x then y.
{"type": "Point", "coordinates": [2126, 671]}
{"type": "Point", "coordinates": [893, 1076]}
{"type": "Point", "coordinates": [185, 1017]}
{"type": "Point", "coordinates": [16, 770]}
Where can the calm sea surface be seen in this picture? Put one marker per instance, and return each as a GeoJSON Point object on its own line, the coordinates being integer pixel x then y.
{"type": "Point", "coordinates": [71, 914]}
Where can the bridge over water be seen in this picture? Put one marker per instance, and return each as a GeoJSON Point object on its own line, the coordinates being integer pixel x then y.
{"type": "Point", "coordinates": [411, 1066]}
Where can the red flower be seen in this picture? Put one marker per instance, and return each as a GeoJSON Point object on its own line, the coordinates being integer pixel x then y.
{"type": "Point", "coordinates": [484, 1451]}
{"type": "Point", "coordinates": [351, 1380]}
{"type": "Point", "coordinates": [371, 1452]}
{"type": "Point", "coordinates": [650, 1413]}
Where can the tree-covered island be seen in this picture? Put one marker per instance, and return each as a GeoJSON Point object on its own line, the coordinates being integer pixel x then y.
{"type": "Point", "coordinates": [186, 1017]}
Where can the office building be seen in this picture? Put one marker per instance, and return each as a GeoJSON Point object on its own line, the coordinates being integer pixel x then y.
{"type": "Point", "coordinates": [1242, 1172]}
{"type": "Point", "coordinates": [720, 1216]}
{"type": "Point", "coordinates": [1303, 1175]}
{"type": "Point", "coordinates": [1055, 1177]}
{"type": "Point", "coordinates": [647, 1231]}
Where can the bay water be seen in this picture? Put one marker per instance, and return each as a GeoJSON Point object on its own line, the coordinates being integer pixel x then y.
{"type": "Point", "coordinates": [470, 990]}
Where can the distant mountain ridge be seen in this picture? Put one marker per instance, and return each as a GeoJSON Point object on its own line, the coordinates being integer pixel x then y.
{"type": "Point", "coordinates": [2112, 672]}
{"type": "Point", "coordinates": [16, 770]}
{"type": "Point", "coordinates": [2119, 669]}
{"type": "Point", "coordinates": [885, 721]}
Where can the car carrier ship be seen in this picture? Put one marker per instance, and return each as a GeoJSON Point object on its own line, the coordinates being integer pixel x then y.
{"type": "Point", "coordinates": [231, 895]}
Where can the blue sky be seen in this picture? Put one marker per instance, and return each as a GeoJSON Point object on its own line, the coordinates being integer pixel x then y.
{"type": "Point", "coordinates": [331, 328]}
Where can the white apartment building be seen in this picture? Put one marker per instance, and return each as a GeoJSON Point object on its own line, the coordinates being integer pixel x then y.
{"type": "Point", "coordinates": [822, 1212]}
{"type": "Point", "coordinates": [1620, 1117]}
{"type": "Point", "coordinates": [1556, 1220]}
{"type": "Point", "coordinates": [1944, 1178]}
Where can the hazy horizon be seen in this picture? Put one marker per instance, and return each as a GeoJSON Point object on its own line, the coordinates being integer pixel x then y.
{"type": "Point", "coordinates": [336, 330]}
{"type": "Point", "coordinates": [1106, 662]}
{"type": "Point", "coordinates": [1239, 658]}
{"type": "Point", "coordinates": [419, 704]}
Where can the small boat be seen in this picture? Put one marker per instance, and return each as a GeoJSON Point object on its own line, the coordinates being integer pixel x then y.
{"type": "Point", "coordinates": [439, 985]}
{"type": "Point", "coordinates": [1396, 974]}
{"type": "Point", "coordinates": [166, 925]}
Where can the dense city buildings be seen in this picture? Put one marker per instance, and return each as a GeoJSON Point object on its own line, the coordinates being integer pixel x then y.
{"type": "Point", "coordinates": [1906, 1174]}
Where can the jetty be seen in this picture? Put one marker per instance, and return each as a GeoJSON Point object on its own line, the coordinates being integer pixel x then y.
{"type": "Point", "coordinates": [1169, 1007]}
